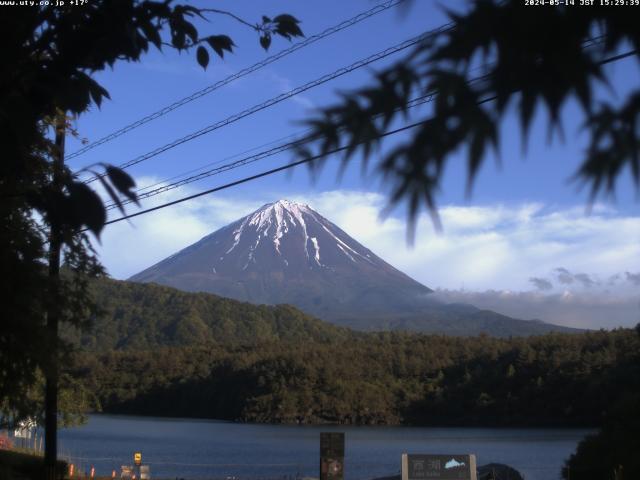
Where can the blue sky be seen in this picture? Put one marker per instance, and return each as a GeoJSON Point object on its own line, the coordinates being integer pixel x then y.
{"type": "Point", "coordinates": [523, 221]}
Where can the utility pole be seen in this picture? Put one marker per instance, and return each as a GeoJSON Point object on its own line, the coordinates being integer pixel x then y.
{"type": "Point", "coordinates": [53, 313]}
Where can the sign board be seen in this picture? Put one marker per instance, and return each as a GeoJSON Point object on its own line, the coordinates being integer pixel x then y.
{"type": "Point", "coordinates": [331, 456]}
{"type": "Point", "coordinates": [446, 467]}
{"type": "Point", "coordinates": [126, 471]}
{"type": "Point", "coordinates": [145, 474]}
{"type": "Point", "coordinates": [137, 458]}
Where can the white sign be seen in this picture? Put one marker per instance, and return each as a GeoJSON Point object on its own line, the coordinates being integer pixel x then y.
{"type": "Point", "coordinates": [126, 471]}
{"type": "Point", "coordinates": [443, 467]}
{"type": "Point", "coordinates": [144, 472]}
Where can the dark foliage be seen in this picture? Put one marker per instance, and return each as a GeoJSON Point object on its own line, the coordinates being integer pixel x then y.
{"type": "Point", "coordinates": [385, 378]}
{"type": "Point", "coordinates": [138, 316]}
{"type": "Point", "coordinates": [613, 449]}
{"type": "Point", "coordinates": [49, 58]}
{"type": "Point", "coordinates": [24, 465]}
{"type": "Point", "coordinates": [492, 58]}
{"type": "Point", "coordinates": [611, 453]}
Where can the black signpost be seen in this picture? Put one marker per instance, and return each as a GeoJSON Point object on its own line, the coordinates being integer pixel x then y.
{"type": "Point", "coordinates": [445, 467]}
{"type": "Point", "coordinates": [331, 456]}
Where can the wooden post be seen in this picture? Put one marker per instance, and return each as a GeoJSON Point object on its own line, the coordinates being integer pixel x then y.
{"type": "Point", "coordinates": [53, 315]}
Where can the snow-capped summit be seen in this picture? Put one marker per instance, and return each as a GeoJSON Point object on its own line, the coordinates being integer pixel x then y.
{"type": "Point", "coordinates": [286, 252]}
{"type": "Point", "coordinates": [273, 221]}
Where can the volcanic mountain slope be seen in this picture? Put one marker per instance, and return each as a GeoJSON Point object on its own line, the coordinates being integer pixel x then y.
{"type": "Point", "coordinates": [286, 252]}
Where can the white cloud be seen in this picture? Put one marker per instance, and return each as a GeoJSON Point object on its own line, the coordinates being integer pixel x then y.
{"type": "Point", "coordinates": [491, 247]}
{"type": "Point", "coordinates": [129, 247]}
{"type": "Point", "coordinates": [574, 309]}
{"type": "Point", "coordinates": [284, 85]}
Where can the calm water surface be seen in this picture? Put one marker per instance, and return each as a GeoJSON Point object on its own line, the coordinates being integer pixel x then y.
{"type": "Point", "coordinates": [187, 448]}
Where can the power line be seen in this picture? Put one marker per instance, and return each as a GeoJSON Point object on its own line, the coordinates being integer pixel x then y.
{"type": "Point", "coordinates": [298, 90]}
{"type": "Point", "coordinates": [162, 187]}
{"type": "Point", "coordinates": [224, 168]}
{"type": "Point", "coordinates": [263, 174]}
{"type": "Point", "coordinates": [284, 96]}
{"type": "Point", "coordinates": [242, 162]}
{"type": "Point", "coordinates": [217, 162]}
{"type": "Point", "coordinates": [246, 71]}
{"type": "Point", "coordinates": [317, 157]}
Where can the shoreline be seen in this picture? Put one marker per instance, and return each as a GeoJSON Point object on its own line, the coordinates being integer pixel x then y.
{"type": "Point", "coordinates": [522, 426]}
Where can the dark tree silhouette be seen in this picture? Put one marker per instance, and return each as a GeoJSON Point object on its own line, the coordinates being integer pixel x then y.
{"type": "Point", "coordinates": [49, 57]}
{"type": "Point", "coordinates": [496, 55]}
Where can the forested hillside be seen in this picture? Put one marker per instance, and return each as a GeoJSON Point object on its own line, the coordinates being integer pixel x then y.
{"type": "Point", "coordinates": [145, 316]}
{"type": "Point", "coordinates": [385, 378]}
{"type": "Point", "coordinates": [159, 351]}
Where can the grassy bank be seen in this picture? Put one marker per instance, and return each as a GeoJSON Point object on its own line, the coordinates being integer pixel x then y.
{"type": "Point", "coordinates": [16, 465]}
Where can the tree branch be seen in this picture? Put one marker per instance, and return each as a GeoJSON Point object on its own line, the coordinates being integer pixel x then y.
{"type": "Point", "coordinates": [235, 17]}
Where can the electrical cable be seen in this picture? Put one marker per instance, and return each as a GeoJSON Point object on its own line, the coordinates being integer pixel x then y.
{"type": "Point", "coordinates": [359, 64]}
{"type": "Point", "coordinates": [162, 186]}
{"type": "Point", "coordinates": [240, 163]}
{"type": "Point", "coordinates": [262, 174]}
{"type": "Point", "coordinates": [216, 162]}
{"type": "Point", "coordinates": [284, 96]}
{"type": "Point", "coordinates": [257, 66]}
{"type": "Point", "coordinates": [315, 157]}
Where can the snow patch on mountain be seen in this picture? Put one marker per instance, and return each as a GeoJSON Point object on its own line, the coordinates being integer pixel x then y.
{"type": "Point", "coordinates": [237, 234]}
{"type": "Point", "coordinates": [314, 240]}
{"type": "Point", "coordinates": [274, 221]}
{"type": "Point", "coordinates": [341, 245]}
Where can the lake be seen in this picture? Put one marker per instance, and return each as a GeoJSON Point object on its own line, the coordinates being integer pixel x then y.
{"type": "Point", "coordinates": [188, 448]}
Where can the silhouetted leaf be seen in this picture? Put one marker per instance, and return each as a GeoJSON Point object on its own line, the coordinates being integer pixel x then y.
{"type": "Point", "coordinates": [114, 197]}
{"type": "Point", "coordinates": [527, 109]}
{"type": "Point", "coordinates": [287, 26]}
{"type": "Point", "coordinates": [203, 57]}
{"type": "Point", "coordinates": [122, 181]}
{"type": "Point", "coordinates": [189, 11]}
{"type": "Point", "coordinates": [220, 43]}
{"type": "Point", "coordinates": [96, 91]}
{"type": "Point", "coordinates": [178, 39]}
{"type": "Point", "coordinates": [265, 41]}
{"type": "Point", "coordinates": [189, 30]}
{"type": "Point", "coordinates": [152, 34]}
{"type": "Point", "coordinates": [86, 208]}
{"type": "Point", "coordinates": [74, 95]}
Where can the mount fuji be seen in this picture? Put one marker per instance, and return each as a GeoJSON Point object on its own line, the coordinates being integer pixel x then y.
{"type": "Point", "coordinates": [285, 252]}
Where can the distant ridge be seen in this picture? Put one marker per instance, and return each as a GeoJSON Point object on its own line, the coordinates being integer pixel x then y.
{"type": "Point", "coordinates": [145, 316]}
